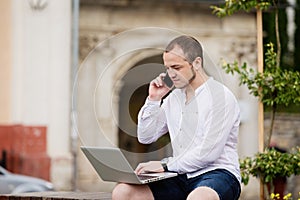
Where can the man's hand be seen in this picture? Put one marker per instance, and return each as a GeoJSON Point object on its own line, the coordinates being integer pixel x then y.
{"type": "Point", "coordinates": [157, 88]}
{"type": "Point", "coordinates": [151, 166]}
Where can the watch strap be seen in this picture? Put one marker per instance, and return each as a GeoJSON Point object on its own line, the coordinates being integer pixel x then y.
{"type": "Point", "coordinates": [164, 162]}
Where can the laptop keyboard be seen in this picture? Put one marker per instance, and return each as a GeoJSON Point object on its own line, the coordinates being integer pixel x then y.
{"type": "Point", "coordinates": [145, 177]}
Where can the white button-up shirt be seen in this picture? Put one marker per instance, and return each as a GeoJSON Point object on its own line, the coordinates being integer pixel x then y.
{"type": "Point", "coordinates": [203, 131]}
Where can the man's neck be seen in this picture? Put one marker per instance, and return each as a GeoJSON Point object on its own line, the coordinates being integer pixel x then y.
{"type": "Point", "coordinates": [200, 79]}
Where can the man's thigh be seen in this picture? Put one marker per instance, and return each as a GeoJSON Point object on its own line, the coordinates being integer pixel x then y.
{"type": "Point", "coordinates": [223, 182]}
{"type": "Point", "coordinates": [178, 188]}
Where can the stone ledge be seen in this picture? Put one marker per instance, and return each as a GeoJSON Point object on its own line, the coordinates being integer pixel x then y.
{"type": "Point", "coordinates": [57, 196]}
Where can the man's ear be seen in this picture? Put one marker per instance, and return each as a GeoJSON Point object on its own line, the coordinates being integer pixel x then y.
{"type": "Point", "coordinates": [197, 63]}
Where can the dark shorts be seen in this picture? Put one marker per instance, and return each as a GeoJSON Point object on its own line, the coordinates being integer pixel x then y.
{"type": "Point", "coordinates": [222, 181]}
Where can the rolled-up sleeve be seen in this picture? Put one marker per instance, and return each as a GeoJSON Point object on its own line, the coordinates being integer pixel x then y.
{"type": "Point", "coordinates": [151, 122]}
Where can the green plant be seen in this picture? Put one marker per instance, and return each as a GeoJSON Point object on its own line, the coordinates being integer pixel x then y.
{"type": "Point", "coordinates": [275, 86]}
{"type": "Point", "coordinates": [269, 165]}
{"type": "Point", "coordinates": [232, 6]}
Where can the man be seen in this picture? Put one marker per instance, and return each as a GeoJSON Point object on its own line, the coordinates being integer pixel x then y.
{"type": "Point", "coordinates": [202, 118]}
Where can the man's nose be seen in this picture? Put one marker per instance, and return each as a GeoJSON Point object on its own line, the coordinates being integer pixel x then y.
{"type": "Point", "coordinates": [171, 72]}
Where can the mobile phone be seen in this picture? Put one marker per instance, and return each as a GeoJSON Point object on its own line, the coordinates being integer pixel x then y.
{"type": "Point", "coordinates": [168, 81]}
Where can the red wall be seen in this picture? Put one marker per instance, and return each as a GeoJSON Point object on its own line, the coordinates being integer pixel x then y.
{"type": "Point", "coordinates": [26, 148]}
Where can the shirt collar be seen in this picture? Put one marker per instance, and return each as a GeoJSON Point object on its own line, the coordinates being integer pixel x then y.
{"type": "Point", "coordinates": [200, 88]}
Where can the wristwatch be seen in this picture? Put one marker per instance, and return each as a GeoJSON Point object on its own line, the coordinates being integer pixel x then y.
{"type": "Point", "coordinates": [164, 163]}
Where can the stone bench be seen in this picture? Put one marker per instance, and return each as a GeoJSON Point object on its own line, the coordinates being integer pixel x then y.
{"type": "Point", "coordinates": [57, 196]}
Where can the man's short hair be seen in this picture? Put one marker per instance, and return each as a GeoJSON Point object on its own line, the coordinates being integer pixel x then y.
{"type": "Point", "coordinates": [189, 45]}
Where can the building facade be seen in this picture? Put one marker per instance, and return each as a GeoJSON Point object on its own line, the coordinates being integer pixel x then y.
{"type": "Point", "coordinates": [44, 101]}
{"type": "Point", "coordinates": [121, 44]}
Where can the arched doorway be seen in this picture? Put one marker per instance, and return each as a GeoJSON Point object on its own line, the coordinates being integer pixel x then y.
{"type": "Point", "coordinates": [132, 96]}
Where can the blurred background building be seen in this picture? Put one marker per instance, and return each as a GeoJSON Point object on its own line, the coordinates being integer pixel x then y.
{"type": "Point", "coordinates": [75, 73]}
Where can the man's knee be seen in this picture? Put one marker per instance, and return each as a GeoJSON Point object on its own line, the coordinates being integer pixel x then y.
{"type": "Point", "coordinates": [127, 191]}
{"type": "Point", "coordinates": [204, 193]}
{"type": "Point", "coordinates": [121, 191]}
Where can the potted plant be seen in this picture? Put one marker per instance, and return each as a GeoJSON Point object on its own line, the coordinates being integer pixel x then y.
{"type": "Point", "coordinates": [271, 165]}
{"type": "Point", "coordinates": [274, 86]}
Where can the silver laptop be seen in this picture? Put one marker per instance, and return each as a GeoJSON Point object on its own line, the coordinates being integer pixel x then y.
{"type": "Point", "coordinates": [111, 165]}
